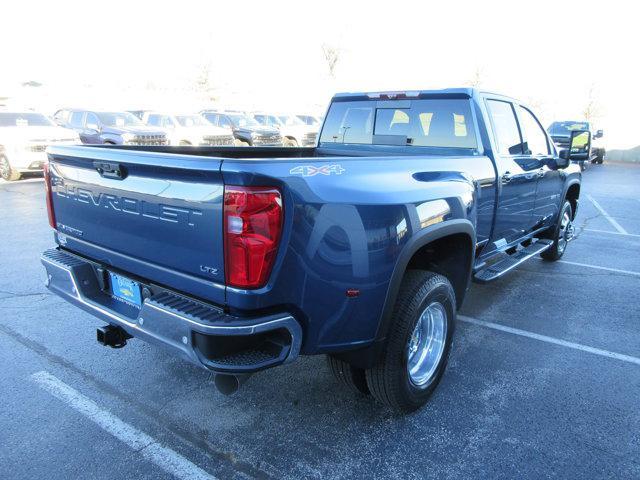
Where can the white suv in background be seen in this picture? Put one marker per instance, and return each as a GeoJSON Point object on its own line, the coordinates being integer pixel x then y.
{"type": "Point", "coordinates": [189, 129]}
{"type": "Point", "coordinates": [295, 133]}
{"type": "Point", "coordinates": [24, 137]}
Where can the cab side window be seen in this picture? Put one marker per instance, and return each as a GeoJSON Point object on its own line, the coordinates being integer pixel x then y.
{"type": "Point", "coordinates": [506, 127]}
{"type": "Point", "coordinates": [75, 119]}
{"type": "Point", "coordinates": [224, 122]}
{"type": "Point", "coordinates": [91, 120]}
{"type": "Point", "coordinates": [535, 139]}
{"type": "Point", "coordinates": [153, 120]}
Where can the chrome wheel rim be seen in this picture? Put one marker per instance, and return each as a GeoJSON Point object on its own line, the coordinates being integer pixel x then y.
{"type": "Point", "coordinates": [426, 344]}
{"type": "Point", "coordinates": [4, 168]}
{"type": "Point", "coordinates": [566, 231]}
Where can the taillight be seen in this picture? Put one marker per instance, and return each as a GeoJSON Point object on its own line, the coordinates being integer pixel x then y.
{"type": "Point", "coordinates": [47, 186]}
{"type": "Point", "coordinates": [252, 228]}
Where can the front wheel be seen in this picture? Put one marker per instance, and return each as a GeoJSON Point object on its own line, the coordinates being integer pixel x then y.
{"type": "Point", "coordinates": [418, 344]}
{"type": "Point", "coordinates": [290, 142]}
{"type": "Point", "coordinates": [7, 172]}
{"type": "Point", "coordinates": [562, 234]}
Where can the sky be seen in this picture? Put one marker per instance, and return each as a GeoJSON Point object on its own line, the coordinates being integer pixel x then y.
{"type": "Point", "coordinates": [556, 56]}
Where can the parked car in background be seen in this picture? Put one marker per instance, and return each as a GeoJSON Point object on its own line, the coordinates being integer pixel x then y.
{"type": "Point", "coordinates": [311, 120]}
{"type": "Point", "coordinates": [189, 129]}
{"type": "Point", "coordinates": [295, 133]}
{"type": "Point", "coordinates": [24, 137]}
{"type": "Point", "coordinates": [561, 133]}
{"type": "Point", "coordinates": [114, 128]}
{"type": "Point", "coordinates": [246, 130]}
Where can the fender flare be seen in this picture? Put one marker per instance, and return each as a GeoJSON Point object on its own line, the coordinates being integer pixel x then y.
{"type": "Point", "coordinates": [366, 357]}
{"type": "Point", "coordinates": [568, 185]}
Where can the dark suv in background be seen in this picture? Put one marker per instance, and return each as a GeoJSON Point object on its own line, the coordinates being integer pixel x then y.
{"type": "Point", "coordinates": [246, 130]}
{"type": "Point", "coordinates": [115, 128]}
{"type": "Point", "coordinates": [560, 132]}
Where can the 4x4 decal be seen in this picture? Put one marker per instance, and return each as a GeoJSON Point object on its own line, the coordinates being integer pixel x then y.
{"type": "Point", "coordinates": [310, 170]}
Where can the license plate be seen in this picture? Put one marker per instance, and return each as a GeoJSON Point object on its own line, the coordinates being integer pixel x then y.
{"type": "Point", "coordinates": [125, 289]}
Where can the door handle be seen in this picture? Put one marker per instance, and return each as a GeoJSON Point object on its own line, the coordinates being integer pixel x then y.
{"type": "Point", "coordinates": [506, 177]}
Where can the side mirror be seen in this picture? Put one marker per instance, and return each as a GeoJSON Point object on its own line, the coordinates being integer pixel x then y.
{"type": "Point", "coordinates": [580, 145]}
{"type": "Point", "coordinates": [599, 134]}
{"type": "Point", "coordinates": [562, 161]}
{"type": "Point", "coordinates": [93, 126]}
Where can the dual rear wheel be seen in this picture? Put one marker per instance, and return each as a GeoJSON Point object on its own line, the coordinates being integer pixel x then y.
{"type": "Point", "coordinates": [417, 347]}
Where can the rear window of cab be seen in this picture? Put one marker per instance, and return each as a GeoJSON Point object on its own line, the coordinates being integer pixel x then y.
{"type": "Point", "coordinates": [421, 123]}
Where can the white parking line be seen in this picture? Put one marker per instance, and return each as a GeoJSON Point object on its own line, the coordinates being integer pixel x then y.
{"type": "Point", "coordinates": [597, 267]}
{"type": "Point", "coordinates": [555, 341]}
{"type": "Point", "coordinates": [167, 459]}
{"type": "Point", "coordinates": [612, 221]}
{"type": "Point", "coordinates": [612, 233]}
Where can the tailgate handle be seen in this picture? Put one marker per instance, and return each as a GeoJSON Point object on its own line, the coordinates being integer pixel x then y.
{"type": "Point", "coordinates": [110, 170]}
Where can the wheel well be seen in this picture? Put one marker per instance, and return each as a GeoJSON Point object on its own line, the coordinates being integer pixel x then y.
{"type": "Point", "coordinates": [573, 193]}
{"type": "Point", "coordinates": [109, 142]}
{"type": "Point", "coordinates": [449, 256]}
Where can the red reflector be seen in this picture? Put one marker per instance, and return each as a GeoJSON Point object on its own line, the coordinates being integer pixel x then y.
{"type": "Point", "coordinates": [252, 228]}
{"type": "Point", "coordinates": [49, 193]}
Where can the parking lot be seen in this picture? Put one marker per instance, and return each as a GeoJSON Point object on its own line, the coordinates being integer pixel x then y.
{"type": "Point", "coordinates": [543, 379]}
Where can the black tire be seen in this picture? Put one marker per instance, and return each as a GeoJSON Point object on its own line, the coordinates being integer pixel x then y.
{"type": "Point", "coordinates": [389, 380]}
{"type": "Point", "coordinates": [556, 251]}
{"type": "Point", "coordinates": [7, 172]}
{"type": "Point", "coordinates": [289, 142]}
{"type": "Point", "coordinates": [351, 377]}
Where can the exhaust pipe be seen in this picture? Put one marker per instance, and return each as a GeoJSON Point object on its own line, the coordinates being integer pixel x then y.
{"type": "Point", "coordinates": [229, 384]}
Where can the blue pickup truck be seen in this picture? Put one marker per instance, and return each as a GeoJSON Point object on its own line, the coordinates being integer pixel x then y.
{"type": "Point", "coordinates": [361, 248]}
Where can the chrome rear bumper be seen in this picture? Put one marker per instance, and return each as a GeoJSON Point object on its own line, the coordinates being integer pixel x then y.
{"type": "Point", "coordinates": [198, 332]}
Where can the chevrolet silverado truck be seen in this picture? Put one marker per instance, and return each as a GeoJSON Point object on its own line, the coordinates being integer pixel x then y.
{"type": "Point", "coordinates": [24, 137]}
{"type": "Point", "coordinates": [361, 248]}
{"type": "Point", "coordinates": [295, 133]}
{"type": "Point", "coordinates": [246, 130]}
{"type": "Point", "coordinates": [189, 129]}
{"type": "Point", "coordinates": [110, 128]}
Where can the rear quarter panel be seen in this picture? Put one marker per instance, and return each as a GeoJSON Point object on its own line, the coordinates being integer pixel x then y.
{"type": "Point", "coordinates": [347, 221]}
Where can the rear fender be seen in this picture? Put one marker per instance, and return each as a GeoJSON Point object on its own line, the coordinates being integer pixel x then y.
{"type": "Point", "coordinates": [366, 357]}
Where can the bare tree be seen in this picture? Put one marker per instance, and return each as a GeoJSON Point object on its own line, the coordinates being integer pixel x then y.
{"type": "Point", "coordinates": [331, 55]}
{"type": "Point", "coordinates": [476, 79]}
{"type": "Point", "coordinates": [592, 109]}
{"type": "Point", "coordinates": [204, 83]}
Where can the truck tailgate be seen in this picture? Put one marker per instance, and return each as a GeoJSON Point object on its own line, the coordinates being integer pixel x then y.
{"type": "Point", "coordinates": [156, 216]}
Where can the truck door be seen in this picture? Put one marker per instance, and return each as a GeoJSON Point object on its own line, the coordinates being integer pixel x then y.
{"type": "Point", "coordinates": [92, 128]}
{"type": "Point", "coordinates": [517, 176]}
{"type": "Point", "coordinates": [550, 182]}
{"type": "Point", "coordinates": [76, 121]}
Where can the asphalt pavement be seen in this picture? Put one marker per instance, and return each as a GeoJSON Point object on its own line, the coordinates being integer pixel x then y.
{"type": "Point", "coordinates": [543, 381]}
